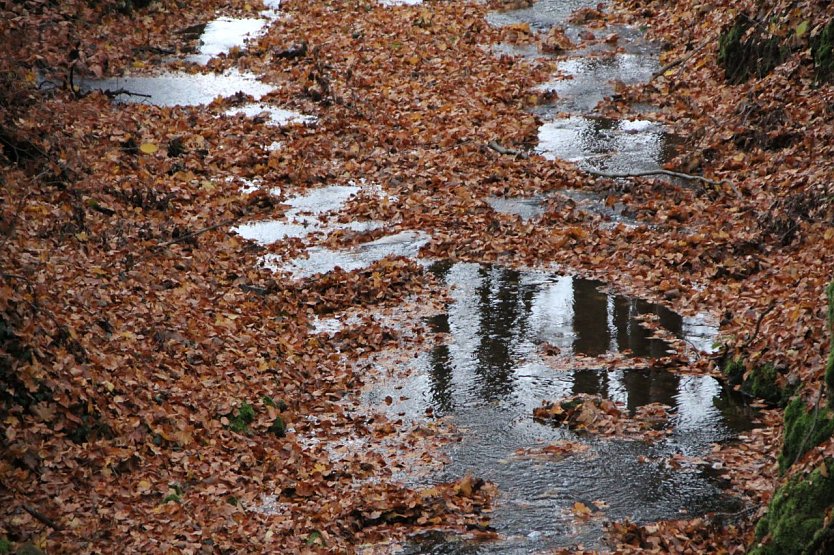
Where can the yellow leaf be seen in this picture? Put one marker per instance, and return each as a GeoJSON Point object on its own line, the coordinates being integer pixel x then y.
{"type": "Point", "coordinates": [148, 148]}
{"type": "Point", "coordinates": [581, 510]}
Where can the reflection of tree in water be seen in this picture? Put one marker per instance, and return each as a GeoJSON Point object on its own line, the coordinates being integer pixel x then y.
{"type": "Point", "coordinates": [440, 378]}
{"type": "Point", "coordinates": [631, 335]}
{"type": "Point", "coordinates": [590, 318]}
{"type": "Point", "coordinates": [600, 322]}
{"type": "Point", "coordinates": [504, 309]}
{"type": "Point", "coordinates": [650, 386]}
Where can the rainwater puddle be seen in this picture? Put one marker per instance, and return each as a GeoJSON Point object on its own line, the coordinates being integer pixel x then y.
{"type": "Point", "coordinates": [541, 16]}
{"type": "Point", "coordinates": [185, 89]}
{"type": "Point", "coordinates": [321, 260]}
{"type": "Point", "coordinates": [527, 208]}
{"type": "Point", "coordinates": [391, 3]}
{"type": "Point", "coordinates": [225, 33]}
{"type": "Point", "coordinates": [272, 114]}
{"type": "Point", "coordinates": [487, 376]}
{"type": "Point", "coordinates": [606, 144]}
{"type": "Point", "coordinates": [180, 88]}
{"type": "Point", "coordinates": [587, 80]}
{"type": "Point", "coordinates": [303, 217]}
{"type": "Point", "coordinates": [221, 35]}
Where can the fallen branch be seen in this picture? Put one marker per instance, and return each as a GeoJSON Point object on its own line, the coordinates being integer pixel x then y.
{"type": "Point", "coordinates": [679, 61]}
{"type": "Point", "coordinates": [195, 233]}
{"type": "Point", "coordinates": [645, 173]}
{"type": "Point", "coordinates": [42, 517]}
{"type": "Point", "coordinates": [494, 145]}
{"type": "Point", "coordinates": [758, 326]}
{"type": "Point", "coordinates": [155, 50]}
{"type": "Point", "coordinates": [114, 93]}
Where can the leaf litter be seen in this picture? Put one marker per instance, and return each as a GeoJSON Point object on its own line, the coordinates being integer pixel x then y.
{"type": "Point", "coordinates": [133, 324]}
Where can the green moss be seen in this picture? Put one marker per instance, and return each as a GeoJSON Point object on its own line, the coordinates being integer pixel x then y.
{"type": "Point", "coordinates": [5, 546]}
{"type": "Point", "coordinates": [803, 430]}
{"type": "Point", "coordinates": [734, 370]}
{"type": "Point", "coordinates": [829, 367]}
{"type": "Point", "coordinates": [744, 55]}
{"type": "Point", "coordinates": [761, 382]}
{"type": "Point", "coordinates": [794, 523]}
{"type": "Point", "coordinates": [174, 494]}
{"type": "Point", "coordinates": [245, 416]}
{"type": "Point", "coordinates": [278, 427]}
{"type": "Point", "coordinates": [280, 404]}
{"type": "Point", "coordinates": [822, 49]}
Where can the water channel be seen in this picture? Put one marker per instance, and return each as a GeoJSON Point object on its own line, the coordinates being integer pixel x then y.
{"type": "Point", "coordinates": [488, 375]}
{"type": "Point", "coordinates": [487, 372]}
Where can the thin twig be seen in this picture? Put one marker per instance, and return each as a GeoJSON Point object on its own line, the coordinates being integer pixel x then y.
{"type": "Point", "coordinates": [195, 233]}
{"type": "Point", "coordinates": [679, 61]}
{"type": "Point", "coordinates": [655, 172]}
{"type": "Point", "coordinates": [15, 217]}
{"type": "Point", "coordinates": [117, 92]}
{"type": "Point", "coordinates": [759, 320]}
{"type": "Point", "coordinates": [496, 146]}
{"type": "Point", "coordinates": [42, 517]}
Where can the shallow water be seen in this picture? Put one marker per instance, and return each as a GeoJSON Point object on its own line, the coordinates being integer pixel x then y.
{"type": "Point", "coordinates": [180, 88]}
{"type": "Point", "coordinates": [487, 376]}
{"type": "Point", "coordinates": [274, 115]}
{"type": "Point", "coordinates": [225, 33]}
{"type": "Point", "coordinates": [541, 16]}
{"type": "Point", "coordinates": [303, 217]}
{"type": "Point", "coordinates": [606, 144]}
{"type": "Point", "coordinates": [320, 260]}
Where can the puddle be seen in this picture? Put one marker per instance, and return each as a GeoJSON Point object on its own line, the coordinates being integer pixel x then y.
{"type": "Point", "coordinates": [273, 115]}
{"type": "Point", "coordinates": [487, 376]}
{"type": "Point", "coordinates": [303, 216]}
{"type": "Point", "coordinates": [587, 80]}
{"type": "Point", "coordinates": [541, 16]}
{"type": "Point", "coordinates": [322, 260]}
{"type": "Point", "coordinates": [181, 89]}
{"type": "Point", "coordinates": [527, 208]}
{"type": "Point", "coordinates": [605, 144]}
{"type": "Point", "coordinates": [221, 35]}
{"type": "Point", "coordinates": [225, 33]}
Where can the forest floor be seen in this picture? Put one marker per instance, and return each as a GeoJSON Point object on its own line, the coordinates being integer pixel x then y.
{"type": "Point", "coordinates": [160, 385]}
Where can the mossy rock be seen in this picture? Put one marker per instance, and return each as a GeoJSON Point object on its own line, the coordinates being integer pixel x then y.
{"type": "Point", "coordinates": [245, 416]}
{"type": "Point", "coordinates": [795, 519]}
{"type": "Point", "coordinates": [734, 370]}
{"type": "Point", "coordinates": [761, 382]}
{"type": "Point", "coordinates": [822, 49]}
{"type": "Point", "coordinates": [803, 430]}
{"type": "Point", "coordinates": [829, 367]}
{"type": "Point", "coordinates": [278, 427]}
{"type": "Point", "coordinates": [744, 55]}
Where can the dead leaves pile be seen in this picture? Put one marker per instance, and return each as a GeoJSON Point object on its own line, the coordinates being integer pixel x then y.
{"type": "Point", "coordinates": [598, 415]}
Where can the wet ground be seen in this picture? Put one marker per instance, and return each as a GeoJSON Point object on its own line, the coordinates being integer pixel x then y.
{"type": "Point", "coordinates": [488, 368]}
{"type": "Point", "coordinates": [488, 374]}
